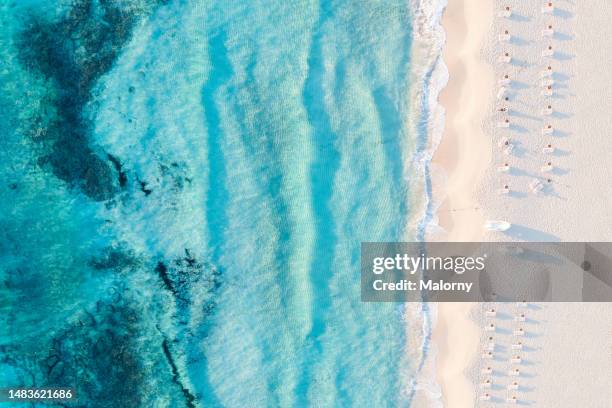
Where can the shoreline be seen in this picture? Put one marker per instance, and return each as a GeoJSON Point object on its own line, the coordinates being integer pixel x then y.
{"type": "Point", "coordinates": [471, 191]}
{"type": "Point", "coordinates": [463, 155]}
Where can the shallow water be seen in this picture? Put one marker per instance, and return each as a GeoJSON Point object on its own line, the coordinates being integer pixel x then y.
{"type": "Point", "coordinates": [185, 189]}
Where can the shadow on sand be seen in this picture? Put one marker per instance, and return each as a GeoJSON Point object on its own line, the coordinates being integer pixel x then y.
{"type": "Point", "coordinates": [531, 235]}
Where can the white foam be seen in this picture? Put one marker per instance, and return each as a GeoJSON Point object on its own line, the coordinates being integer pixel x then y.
{"type": "Point", "coordinates": [429, 77]}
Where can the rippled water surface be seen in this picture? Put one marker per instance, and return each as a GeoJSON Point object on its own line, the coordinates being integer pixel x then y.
{"type": "Point", "coordinates": [185, 186]}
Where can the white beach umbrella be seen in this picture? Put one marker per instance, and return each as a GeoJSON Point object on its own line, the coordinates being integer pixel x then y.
{"type": "Point", "coordinates": [492, 225]}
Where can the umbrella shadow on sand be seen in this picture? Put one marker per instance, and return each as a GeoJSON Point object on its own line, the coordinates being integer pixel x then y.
{"type": "Point", "coordinates": [529, 234]}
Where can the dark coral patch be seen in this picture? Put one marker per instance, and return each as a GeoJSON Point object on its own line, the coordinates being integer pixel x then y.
{"type": "Point", "coordinates": [183, 274]}
{"type": "Point", "coordinates": [116, 259]}
{"type": "Point", "coordinates": [98, 355]}
{"type": "Point", "coordinates": [143, 187]}
{"type": "Point", "coordinates": [73, 53]}
{"type": "Point", "coordinates": [119, 169]}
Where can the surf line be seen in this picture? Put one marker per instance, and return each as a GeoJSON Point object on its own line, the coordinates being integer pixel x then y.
{"type": "Point", "coordinates": [429, 285]}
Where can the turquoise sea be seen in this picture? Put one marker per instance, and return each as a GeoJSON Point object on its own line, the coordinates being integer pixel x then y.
{"type": "Point", "coordinates": [184, 189]}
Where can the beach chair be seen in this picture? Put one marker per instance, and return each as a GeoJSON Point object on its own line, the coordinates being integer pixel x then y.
{"type": "Point", "coordinates": [536, 186]}
{"type": "Point", "coordinates": [547, 111]}
{"type": "Point", "coordinates": [548, 130]}
{"type": "Point", "coordinates": [548, 8]}
{"type": "Point", "coordinates": [547, 72]}
{"type": "Point", "coordinates": [505, 80]}
{"type": "Point", "coordinates": [548, 52]}
{"type": "Point", "coordinates": [504, 124]}
{"type": "Point", "coordinates": [504, 168]}
{"type": "Point", "coordinates": [505, 13]}
{"type": "Point", "coordinates": [485, 397]}
{"type": "Point", "coordinates": [505, 36]}
{"type": "Point", "coordinates": [549, 149]}
{"type": "Point", "coordinates": [548, 31]}
{"type": "Point", "coordinates": [548, 167]}
{"type": "Point", "coordinates": [503, 142]}
{"type": "Point", "coordinates": [505, 58]}
{"type": "Point", "coordinates": [504, 190]}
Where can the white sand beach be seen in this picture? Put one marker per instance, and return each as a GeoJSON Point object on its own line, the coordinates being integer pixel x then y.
{"type": "Point", "coordinates": [565, 344]}
{"type": "Point", "coordinates": [463, 155]}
